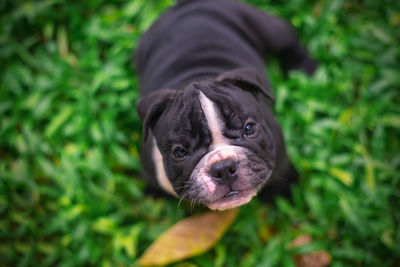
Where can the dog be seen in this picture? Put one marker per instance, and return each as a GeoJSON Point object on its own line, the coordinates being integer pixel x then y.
{"type": "Point", "coordinates": [209, 131]}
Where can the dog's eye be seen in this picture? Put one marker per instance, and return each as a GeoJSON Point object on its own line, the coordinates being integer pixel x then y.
{"type": "Point", "coordinates": [180, 152]}
{"type": "Point", "coordinates": [250, 128]}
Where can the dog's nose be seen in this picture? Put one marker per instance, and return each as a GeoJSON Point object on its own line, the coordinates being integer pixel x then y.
{"type": "Point", "coordinates": [224, 171]}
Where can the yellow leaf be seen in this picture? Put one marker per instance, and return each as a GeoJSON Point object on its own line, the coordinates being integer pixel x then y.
{"type": "Point", "coordinates": [266, 232]}
{"type": "Point", "coordinates": [187, 238]}
{"type": "Point", "coordinates": [346, 117]}
{"type": "Point", "coordinates": [369, 167]}
{"type": "Point", "coordinates": [62, 42]}
{"type": "Point", "coordinates": [395, 19]}
{"type": "Point", "coordinates": [343, 176]}
{"type": "Point", "coordinates": [370, 176]}
{"type": "Point", "coordinates": [127, 240]}
{"type": "Point", "coordinates": [104, 225]}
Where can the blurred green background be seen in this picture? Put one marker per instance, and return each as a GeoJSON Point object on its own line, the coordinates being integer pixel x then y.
{"type": "Point", "coordinates": [70, 188]}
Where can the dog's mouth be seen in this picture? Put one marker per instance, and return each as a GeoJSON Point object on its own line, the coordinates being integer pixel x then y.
{"type": "Point", "coordinates": [232, 199]}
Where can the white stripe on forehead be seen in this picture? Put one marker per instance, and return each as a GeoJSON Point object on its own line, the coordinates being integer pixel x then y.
{"type": "Point", "coordinates": [214, 121]}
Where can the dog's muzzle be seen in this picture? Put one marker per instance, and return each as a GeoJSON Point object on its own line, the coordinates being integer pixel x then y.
{"type": "Point", "coordinates": [227, 177]}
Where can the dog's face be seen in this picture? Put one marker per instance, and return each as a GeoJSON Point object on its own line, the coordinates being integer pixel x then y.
{"type": "Point", "coordinates": [215, 138]}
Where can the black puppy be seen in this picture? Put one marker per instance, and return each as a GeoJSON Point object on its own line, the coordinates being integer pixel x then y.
{"type": "Point", "coordinates": [210, 135]}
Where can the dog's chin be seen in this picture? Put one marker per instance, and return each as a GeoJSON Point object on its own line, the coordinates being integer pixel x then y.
{"type": "Point", "coordinates": [230, 201]}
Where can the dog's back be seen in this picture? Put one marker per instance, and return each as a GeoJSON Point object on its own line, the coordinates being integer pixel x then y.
{"type": "Point", "coordinates": [198, 39]}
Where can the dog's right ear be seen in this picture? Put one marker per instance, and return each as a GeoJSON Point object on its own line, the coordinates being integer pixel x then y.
{"type": "Point", "coordinates": [152, 106]}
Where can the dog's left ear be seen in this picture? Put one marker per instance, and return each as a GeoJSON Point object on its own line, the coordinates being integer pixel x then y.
{"type": "Point", "coordinates": [152, 106]}
{"type": "Point", "coordinates": [247, 79]}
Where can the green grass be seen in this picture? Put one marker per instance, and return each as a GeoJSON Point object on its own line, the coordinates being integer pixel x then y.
{"type": "Point", "coordinates": [70, 192]}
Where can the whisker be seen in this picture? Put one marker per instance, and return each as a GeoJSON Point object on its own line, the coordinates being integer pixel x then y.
{"type": "Point", "coordinates": [192, 204]}
{"type": "Point", "coordinates": [281, 178]}
{"type": "Point", "coordinates": [186, 184]}
{"type": "Point", "coordinates": [194, 200]}
{"type": "Point", "coordinates": [183, 196]}
{"type": "Point", "coordinates": [183, 186]}
{"type": "Point", "coordinates": [190, 191]}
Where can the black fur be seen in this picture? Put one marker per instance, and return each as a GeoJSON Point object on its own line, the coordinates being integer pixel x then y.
{"type": "Point", "coordinates": [218, 47]}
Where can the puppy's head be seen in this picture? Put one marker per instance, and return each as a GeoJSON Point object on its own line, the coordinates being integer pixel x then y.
{"type": "Point", "coordinates": [214, 140]}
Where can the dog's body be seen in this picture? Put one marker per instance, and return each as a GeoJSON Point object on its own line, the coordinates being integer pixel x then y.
{"type": "Point", "coordinates": [209, 131]}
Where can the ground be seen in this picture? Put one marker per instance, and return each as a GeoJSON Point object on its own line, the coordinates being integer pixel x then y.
{"type": "Point", "coordinates": [70, 188]}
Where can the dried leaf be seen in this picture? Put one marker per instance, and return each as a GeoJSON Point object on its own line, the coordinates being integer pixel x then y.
{"type": "Point", "coordinates": [189, 237]}
{"type": "Point", "coordinates": [313, 259]}
{"type": "Point", "coordinates": [301, 240]}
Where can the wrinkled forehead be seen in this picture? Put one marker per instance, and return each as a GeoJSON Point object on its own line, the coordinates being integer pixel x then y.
{"type": "Point", "coordinates": [194, 113]}
{"type": "Point", "coordinates": [230, 101]}
{"type": "Point", "coordinates": [183, 121]}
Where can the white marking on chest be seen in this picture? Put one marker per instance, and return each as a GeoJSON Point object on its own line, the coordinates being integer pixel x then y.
{"type": "Point", "coordinates": [161, 175]}
{"type": "Point", "coordinates": [214, 121]}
